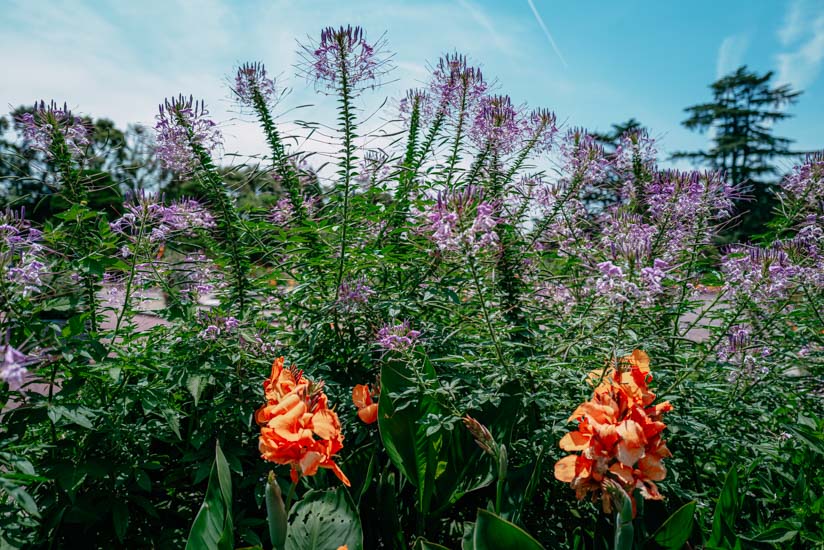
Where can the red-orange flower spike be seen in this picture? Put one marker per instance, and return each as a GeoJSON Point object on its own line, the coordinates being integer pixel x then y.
{"type": "Point", "coordinates": [618, 435]}
{"type": "Point", "coordinates": [367, 408]}
{"type": "Point", "coordinates": [296, 412]}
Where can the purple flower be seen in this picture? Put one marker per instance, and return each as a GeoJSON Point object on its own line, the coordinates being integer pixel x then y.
{"type": "Point", "coordinates": [22, 262]}
{"type": "Point", "coordinates": [354, 293]}
{"type": "Point", "coordinates": [13, 367]}
{"type": "Point", "coordinates": [282, 213]}
{"type": "Point", "coordinates": [217, 325]}
{"type": "Point", "coordinates": [652, 277]}
{"type": "Point", "coordinates": [610, 270]}
{"type": "Point", "coordinates": [28, 274]}
{"type": "Point", "coordinates": [251, 79]}
{"type": "Point", "coordinates": [460, 220]}
{"type": "Point", "coordinates": [159, 221]}
{"type": "Point", "coordinates": [420, 99]}
{"type": "Point", "coordinates": [583, 158]}
{"type": "Point", "coordinates": [181, 123]}
{"type": "Point", "coordinates": [541, 129]}
{"type": "Point", "coordinates": [497, 125]}
{"type": "Point", "coordinates": [201, 277]}
{"type": "Point", "coordinates": [806, 182]}
{"type": "Point", "coordinates": [762, 275]}
{"type": "Point", "coordinates": [626, 236]}
{"type": "Point", "coordinates": [41, 126]}
{"type": "Point", "coordinates": [635, 148]}
{"type": "Point", "coordinates": [455, 86]}
{"type": "Point", "coordinates": [186, 215]}
{"type": "Point", "coordinates": [613, 284]}
{"type": "Point", "coordinates": [555, 295]}
{"type": "Point", "coordinates": [375, 168]}
{"type": "Point", "coordinates": [344, 56]}
{"type": "Point", "coordinates": [683, 205]}
{"type": "Point", "coordinates": [397, 337]}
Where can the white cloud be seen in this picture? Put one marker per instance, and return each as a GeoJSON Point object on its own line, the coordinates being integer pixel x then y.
{"type": "Point", "coordinates": [801, 66]}
{"type": "Point", "coordinates": [482, 19]}
{"type": "Point", "coordinates": [794, 22]}
{"type": "Point", "coordinates": [731, 54]}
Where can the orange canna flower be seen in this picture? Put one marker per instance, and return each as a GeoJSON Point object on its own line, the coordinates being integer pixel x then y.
{"type": "Point", "coordinates": [618, 435]}
{"type": "Point", "coordinates": [297, 426]}
{"type": "Point", "coordinates": [367, 409]}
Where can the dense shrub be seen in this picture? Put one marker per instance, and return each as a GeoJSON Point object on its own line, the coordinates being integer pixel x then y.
{"type": "Point", "coordinates": [472, 296]}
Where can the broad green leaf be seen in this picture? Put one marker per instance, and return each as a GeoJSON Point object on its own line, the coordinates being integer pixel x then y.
{"type": "Point", "coordinates": [782, 532]}
{"type": "Point", "coordinates": [324, 519]}
{"type": "Point", "coordinates": [675, 531]}
{"type": "Point", "coordinates": [195, 384]}
{"type": "Point", "coordinates": [726, 510]}
{"type": "Point", "coordinates": [275, 512]}
{"type": "Point", "coordinates": [403, 435]}
{"type": "Point", "coordinates": [212, 527]}
{"type": "Point", "coordinates": [495, 533]}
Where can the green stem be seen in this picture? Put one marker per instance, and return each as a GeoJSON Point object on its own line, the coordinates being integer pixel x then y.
{"type": "Point", "coordinates": [485, 311]}
{"type": "Point", "coordinates": [348, 130]}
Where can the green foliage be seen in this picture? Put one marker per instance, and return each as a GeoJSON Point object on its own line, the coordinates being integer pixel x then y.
{"type": "Point", "coordinates": [492, 532]}
{"type": "Point", "coordinates": [676, 530]}
{"type": "Point", "coordinates": [212, 527]}
{"type": "Point", "coordinates": [324, 519]}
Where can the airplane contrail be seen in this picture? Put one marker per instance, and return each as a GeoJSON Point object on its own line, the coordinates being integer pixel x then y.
{"type": "Point", "coordinates": [546, 31]}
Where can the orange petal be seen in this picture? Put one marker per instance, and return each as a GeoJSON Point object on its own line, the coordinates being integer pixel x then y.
{"type": "Point", "coordinates": [640, 359]}
{"type": "Point", "coordinates": [631, 446]}
{"type": "Point", "coordinates": [595, 411]}
{"type": "Point", "coordinates": [624, 473]}
{"type": "Point", "coordinates": [607, 434]}
{"type": "Point", "coordinates": [338, 472]}
{"type": "Point", "coordinates": [369, 414]}
{"type": "Point", "coordinates": [310, 462]}
{"type": "Point", "coordinates": [652, 468]}
{"type": "Point", "coordinates": [574, 441]}
{"type": "Point", "coordinates": [325, 424]}
{"type": "Point", "coordinates": [361, 396]}
{"type": "Point", "coordinates": [565, 468]}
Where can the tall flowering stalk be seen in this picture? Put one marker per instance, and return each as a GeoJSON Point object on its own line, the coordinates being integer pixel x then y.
{"type": "Point", "coordinates": [459, 88]}
{"type": "Point", "coordinates": [65, 139]}
{"type": "Point", "coordinates": [344, 62]}
{"type": "Point", "coordinates": [413, 104]}
{"type": "Point", "coordinates": [255, 90]}
{"type": "Point", "coordinates": [186, 137]}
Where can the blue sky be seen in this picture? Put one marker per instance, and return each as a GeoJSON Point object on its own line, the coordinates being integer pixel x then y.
{"type": "Point", "coordinates": [594, 63]}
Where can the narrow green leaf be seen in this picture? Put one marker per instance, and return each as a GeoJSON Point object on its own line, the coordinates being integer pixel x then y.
{"type": "Point", "coordinates": [212, 527]}
{"type": "Point", "coordinates": [120, 519]}
{"type": "Point", "coordinates": [275, 512]}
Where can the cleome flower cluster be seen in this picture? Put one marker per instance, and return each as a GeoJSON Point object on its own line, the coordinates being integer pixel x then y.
{"type": "Point", "coordinates": [618, 435]}
{"type": "Point", "coordinates": [296, 425]}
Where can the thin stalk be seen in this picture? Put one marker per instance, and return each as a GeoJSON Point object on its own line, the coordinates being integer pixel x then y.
{"type": "Point", "coordinates": [485, 311]}
{"type": "Point", "coordinates": [348, 129]}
